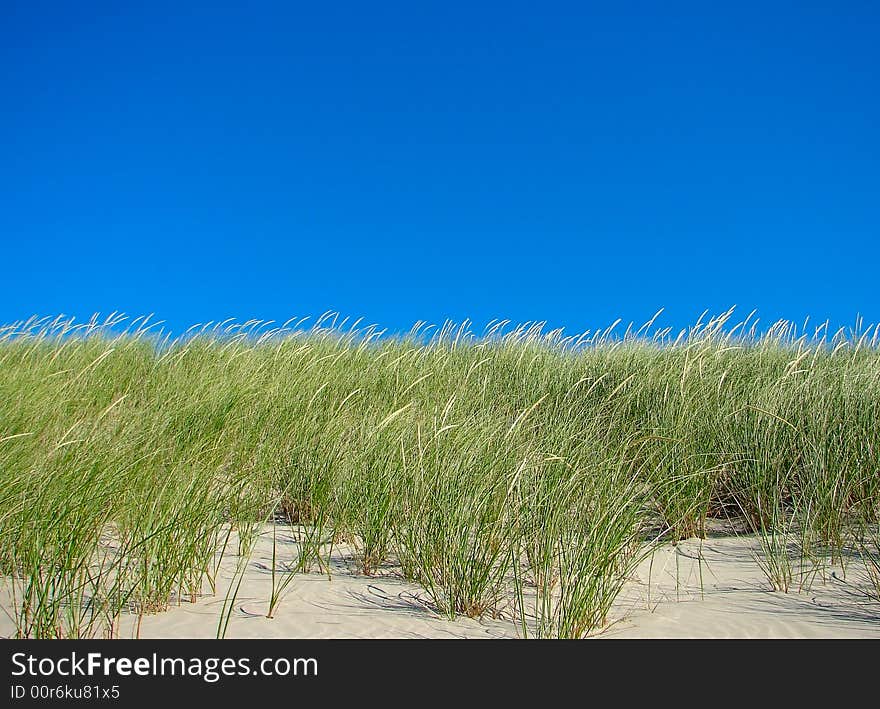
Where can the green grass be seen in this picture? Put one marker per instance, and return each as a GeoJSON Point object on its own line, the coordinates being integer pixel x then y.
{"type": "Point", "coordinates": [516, 464]}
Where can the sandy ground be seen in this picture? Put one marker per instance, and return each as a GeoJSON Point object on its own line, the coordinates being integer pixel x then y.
{"type": "Point", "coordinates": [708, 589]}
{"type": "Point", "coordinates": [733, 599]}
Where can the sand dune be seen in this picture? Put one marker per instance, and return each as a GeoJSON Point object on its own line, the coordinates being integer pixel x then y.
{"type": "Point", "coordinates": [709, 589]}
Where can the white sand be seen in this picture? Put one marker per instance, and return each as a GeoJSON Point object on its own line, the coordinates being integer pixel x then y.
{"type": "Point", "coordinates": [735, 600]}
{"type": "Point", "coordinates": [665, 599]}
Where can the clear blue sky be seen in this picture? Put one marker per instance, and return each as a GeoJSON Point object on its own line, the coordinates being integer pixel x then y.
{"type": "Point", "coordinates": [570, 162]}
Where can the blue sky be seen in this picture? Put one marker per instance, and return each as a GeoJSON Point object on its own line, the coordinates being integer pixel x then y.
{"type": "Point", "coordinates": [569, 162]}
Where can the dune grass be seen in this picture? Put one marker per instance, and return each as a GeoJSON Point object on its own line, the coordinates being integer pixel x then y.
{"type": "Point", "coordinates": [518, 463]}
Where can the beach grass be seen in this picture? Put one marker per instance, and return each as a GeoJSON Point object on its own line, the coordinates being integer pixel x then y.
{"type": "Point", "coordinates": [513, 463]}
